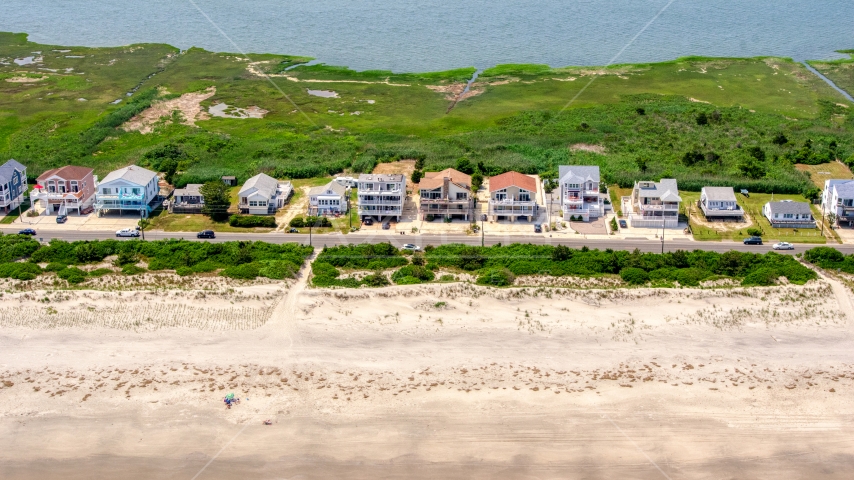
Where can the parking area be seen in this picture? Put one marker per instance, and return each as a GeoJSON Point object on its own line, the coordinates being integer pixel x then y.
{"type": "Point", "coordinates": [84, 223]}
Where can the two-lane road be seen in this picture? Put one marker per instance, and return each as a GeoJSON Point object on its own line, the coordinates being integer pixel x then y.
{"type": "Point", "coordinates": [422, 240]}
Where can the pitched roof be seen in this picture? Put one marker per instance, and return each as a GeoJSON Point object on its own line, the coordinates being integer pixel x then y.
{"type": "Point", "coordinates": [666, 190]}
{"type": "Point", "coordinates": [133, 174]}
{"type": "Point", "coordinates": [68, 172]}
{"type": "Point", "coordinates": [789, 207]}
{"type": "Point", "coordinates": [333, 185]}
{"type": "Point", "coordinates": [844, 188]}
{"type": "Point", "coordinates": [434, 180]}
{"type": "Point", "coordinates": [382, 177]}
{"type": "Point", "coordinates": [262, 183]}
{"type": "Point", "coordinates": [192, 189]}
{"type": "Point", "coordinates": [719, 194]}
{"type": "Point", "coordinates": [515, 179]}
{"type": "Point", "coordinates": [7, 169]}
{"type": "Point", "coordinates": [578, 173]}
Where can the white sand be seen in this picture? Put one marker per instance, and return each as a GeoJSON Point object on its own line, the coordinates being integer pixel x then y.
{"type": "Point", "coordinates": [431, 382]}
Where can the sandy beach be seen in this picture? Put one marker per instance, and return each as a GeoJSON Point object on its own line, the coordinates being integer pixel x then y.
{"type": "Point", "coordinates": [431, 381]}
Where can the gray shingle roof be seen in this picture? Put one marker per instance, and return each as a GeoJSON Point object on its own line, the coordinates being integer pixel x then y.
{"type": "Point", "coordinates": [334, 186]}
{"type": "Point", "coordinates": [789, 207]}
{"type": "Point", "coordinates": [262, 183]}
{"type": "Point", "coordinates": [581, 172]}
{"type": "Point", "coordinates": [844, 188]}
{"type": "Point", "coordinates": [666, 190]}
{"type": "Point", "coordinates": [192, 189]}
{"type": "Point", "coordinates": [8, 168]}
{"type": "Point", "coordinates": [132, 174]}
{"type": "Point", "coordinates": [381, 177]}
{"type": "Point", "coordinates": [719, 194]}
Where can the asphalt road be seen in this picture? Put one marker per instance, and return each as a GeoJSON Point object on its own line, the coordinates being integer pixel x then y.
{"type": "Point", "coordinates": [422, 240]}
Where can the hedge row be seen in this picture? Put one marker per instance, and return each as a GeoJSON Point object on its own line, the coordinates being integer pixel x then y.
{"type": "Point", "coordinates": [249, 221]}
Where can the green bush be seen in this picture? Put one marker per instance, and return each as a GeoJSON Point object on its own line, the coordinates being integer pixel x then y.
{"type": "Point", "coordinates": [19, 270]}
{"type": "Point", "coordinates": [691, 277]}
{"type": "Point", "coordinates": [55, 267]}
{"type": "Point", "coordinates": [100, 272]}
{"type": "Point", "coordinates": [314, 222]}
{"type": "Point", "coordinates": [412, 271]}
{"type": "Point", "coordinates": [131, 269]}
{"type": "Point", "coordinates": [184, 271]}
{"type": "Point", "coordinates": [278, 270]}
{"type": "Point", "coordinates": [72, 275]}
{"type": "Point", "coordinates": [634, 276]}
{"type": "Point", "coordinates": [762, 276]}
{"type": "Point", "coordinates": [496, 277]}
{"type": "Point", "coordinates": [376, 280]}
{"type": "Point", "coordinates": [381, 256]}
{"type": "Point", "coordinates": [408, 281]}
{"type": "Point", "coordinates": [754, 232]}
{"type": "Point", "coordinates": [251, 221]}
{"type": "Point", "coordinates": [246, 271]}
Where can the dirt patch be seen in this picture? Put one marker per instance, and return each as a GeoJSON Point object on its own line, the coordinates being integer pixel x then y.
{"type": "Point", "coordinates": [25, 79]}
{"type": "Point", "coordinates": [587, 148]}
{"type": "Point", "coordinates": [697, 101]}
{"type": "Point", "coordinates": [406, 167]}
{"type": "Point", "coordinates": [188, 104]}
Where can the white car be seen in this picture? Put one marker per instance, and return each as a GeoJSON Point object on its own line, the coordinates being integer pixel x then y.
{"type": "Point", "coordinates": [411, 246]}
{"type": "Point", "coordinates": [127, 232]}
{"type": "Point", "coordinates": [783, 246]}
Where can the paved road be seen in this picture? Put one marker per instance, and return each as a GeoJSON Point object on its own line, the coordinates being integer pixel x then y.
{"type": "Point", "coordinates": [422, 240]}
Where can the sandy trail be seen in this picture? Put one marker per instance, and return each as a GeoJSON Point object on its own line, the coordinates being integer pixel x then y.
{"type": "Point", "coordinates": [441, 381]}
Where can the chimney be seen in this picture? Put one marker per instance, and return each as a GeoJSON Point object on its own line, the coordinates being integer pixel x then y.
{"type": "Point", "coordinates": [446, 182]}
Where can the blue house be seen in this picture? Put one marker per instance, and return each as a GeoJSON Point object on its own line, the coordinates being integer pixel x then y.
{"type": "Point", "coordinates": [13, 185]}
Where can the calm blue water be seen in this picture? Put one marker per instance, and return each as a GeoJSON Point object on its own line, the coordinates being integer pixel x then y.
{"type": "Point", "coordinates": [426, 35]}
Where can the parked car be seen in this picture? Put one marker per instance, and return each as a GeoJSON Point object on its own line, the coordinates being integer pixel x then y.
{"type": "Point", "coordinates": [623, 224]}
{"type": "Point", "coordinates": [206, 234]}
{"type": "Point", "coordinates": [386, 226]}
{"type": "Point", "coordinates": [128, 232]}
{"type": "Point", "coordinates": [27, 231]}
{"type": "Point", "coordinates": [368, 221]}
{"type": "Point", "coordinates": [293, 230]}
{"type": "Point", "coordinates": [61, 218]}
{"type": "Point", "coordinates": [753, 241]}
{"type": "Point", "coordinates": [538, 228]}
{"type": "Point", "coordinates": [411, 246]}
{"type": "Point", "coordinates": [783, 246]}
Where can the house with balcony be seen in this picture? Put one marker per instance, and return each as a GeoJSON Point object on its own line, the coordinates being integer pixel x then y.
{"type": "Point", "coordinates": [446, 194]}
{"type": "Point", "coordinates": [330, 199]}
{"type": "Point", "coordinates": [653, 204]}
{"type": "Point", "coordinates": [789, 214]}
{"type": "Point", "coordinates": [65, 190]}
{"type": "Point", "coordinates": [263, 195]}
{"type": "Point", "coordinates": [13, 185]}
{"type": "Point", "coordinates": [513, 195]}
{"type": "Point", "coordinates": [580, 196]}
{"type": "Point", "coordinates": [719, 203]}
{"type": "Point", "coordinates": [381, 195]}
{"type": "Point", "coordinates": [187, 200]}
{"type": "Point", "coordinates": [838, 199]}
{"type": "Point", "coordinates": [131, 189]}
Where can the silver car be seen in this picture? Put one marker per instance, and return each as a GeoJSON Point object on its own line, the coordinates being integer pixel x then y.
{"type": "Point", "coordinates": [127, 232]}
{"type": "Point", "coordinates": [783, 246]}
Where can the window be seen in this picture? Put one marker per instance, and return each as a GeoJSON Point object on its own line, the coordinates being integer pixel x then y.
{"type": "Point", "coordinates": [135, 191]}
{"type": "Point", "coordinates": [74, 187]}
{"type": "Point", "coordinates": [462, 195]}
{"type": "Point", "coordinates": [500, 196]}
{"type": "Point", "coordinates": [524, 197]}
{"type": "Point", "coordinates": [51, 186]}
{"type": "Point", "coordinates": [787, 215]}
{"type": "Point", "coordinates": [107, 191]}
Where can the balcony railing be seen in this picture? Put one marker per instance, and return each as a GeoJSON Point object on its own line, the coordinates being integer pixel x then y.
{"type": "Point", "coordinates": [512, 202]}
{"type": "Point", "coordinates": [381, 202]}
{"type": "Point", "coordinates": [658, 207]}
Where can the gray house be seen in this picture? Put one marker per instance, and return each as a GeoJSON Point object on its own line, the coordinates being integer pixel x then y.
{"type": "Point", "coordinates": [330, 199]}
{"type": "Point", "coordinates": [187, 200]}
{"type": "Point", "coordinates": [789, 214]}
{"type": "Point", "coordinates": [13, 185]}
{"type": "Point", "coordinates": [719, 203]}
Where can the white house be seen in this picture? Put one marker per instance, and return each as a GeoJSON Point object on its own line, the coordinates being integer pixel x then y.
{"type": "Point", "coordinates": [719, 202]}
{"type": "Point", "coordinates": [838, 199]}
{"type": "Point", "coordinates": [263, 195]}
{"type": "Point", "coordinates": [789, 214]}
{"type": "Point", "coordinates": [330, 199]}
{"type": "Point", "coordinates": [381, 195]}
{"type": "Point", "coordinates": [654, 204]}
{"type": "Point", "coordinates": [132, 188]}
{"type": "Point", "coordinates": [13, 185]}
{"type": "Point", "coordinates": [579, 192]}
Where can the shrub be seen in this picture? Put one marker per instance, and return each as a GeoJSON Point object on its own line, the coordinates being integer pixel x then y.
{"type": "Point", "coordinates": [413, 271]}
{"type": "Point", "coordinates": [131, 269]}
{"type": "Point", "coordinates": [634, 276]}
{"type": "Point", "coordinates": [72, 275]}
{"type": "Point", "coordinates": [690, 277]}
{"type": "Point", "coordinates": [246, 271]}
{"type": "Point", "coordinates": [408, 281]}
{"type": "Point", "coordinates": [100, 272]}
{"type": "Point", "coordinates": [55, 267]}
{"type": "Point", "coordinates": [614, 226]}
{"type": "Point", "coordinates": [376, 280]}
{"type": "Point", "coordinates": [754, 232]}
{"type": "Point", "coordinates": [763, 277]}
{"type": "Point", "coordinates": [448, 278]}
{"type": "Point", "coordinates": [278, 270]}
{"type": "Point", "coordinates": [125, 257]}
{"type": "Point", "coordinates": [184, 271]}
{"type": "Point", "coordinates": [496, 277]}
{"type": "Point", "coordinates": [314, 222]}
{"type": "Point", "coordinates": [251, 221]}
{"type": "Point", "coordinates": [380, 256]}
{"type": "Point", "coordinates": [19, 270]}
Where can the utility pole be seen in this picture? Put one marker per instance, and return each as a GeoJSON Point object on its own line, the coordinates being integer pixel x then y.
{"type": "Point", "coordinates": [662, 231]}
{"type": "Point", "coordinates": [481, 230]}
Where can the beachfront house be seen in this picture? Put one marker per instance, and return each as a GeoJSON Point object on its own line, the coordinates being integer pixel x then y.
{"type": "Point", "coordinates": [131, 189]}
{"type": "Point", "coordinates": [653, 204]}
{"type": "Point", "coordinates": [64, 190]}
{"type": "Point", "coordinates": [719, 203]}
{"type": "Point", "coordinates": [263, 195]}
{"type": "Point", "coordinates": [187, 200]}
{"type": "Point", "coordinates": [838, 199]}
{"type": "Point", "coordinates": [580, 197]}
{"type": "Point", "coordinates": [381, 195]}
{"type": "Point", "coordinates": [329, 199]}
{"type": "Point", "coordinates": [513, 195]}
{"type": "Point", "coordinates": [13, 185]}
{"type": "Point", "coordinates": [789, 214]}
{"type": "Point", "coordinates": [445, 194]}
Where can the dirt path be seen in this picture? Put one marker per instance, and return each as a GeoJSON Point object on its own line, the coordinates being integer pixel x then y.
{"type": "Point", "coordinates": [188, 104]}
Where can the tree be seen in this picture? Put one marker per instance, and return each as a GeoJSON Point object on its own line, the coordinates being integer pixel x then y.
{"type": "Point", "coordinates": [464, 165]}
{"type": "Point", "coordinates": [752, 168]}
{"type": "Point", "coordinates": [642, 163]}
{"type": "Point", "coordinates": [812, 193]}
{"type": "Point", "coordinates": [780, 139]}
{"type": "Point", "coordinates": [831, 219]}
{"type": "Point", "coordinates": [143, 224]}
{"type": "Point", "coordinates": [757, 153]}
{"type": "Point", "coordinates": [416, 177]}
{"type": "Point", "coordinates": [217, 200]}
{"type": "Point", "coordinates": [640, 111]}
{"type": "Point", "coordinates": [476, 181]}
{"type": "Point", "coordinates": [419, 163]}
{"type": "Point", "coordinates": [702, 119]}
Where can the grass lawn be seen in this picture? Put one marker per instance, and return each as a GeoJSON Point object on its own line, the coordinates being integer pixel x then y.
{"type": "Point", "coordinates": [753, 206]}
{"type": "Point", "coordinates": [616, 193]}
{"type": "Point", "coordinates": [826, 171]}
{"type": "Point", "coordinates": [13, 215]}
{"type": "Point", "coordinates": [841, 72]}
{"type": "Point", "coordinates": [341, 224]}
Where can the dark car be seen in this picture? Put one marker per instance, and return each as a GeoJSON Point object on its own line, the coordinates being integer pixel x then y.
{"type": "Point", "coordinates": [538, 228]}
{"type": "Point", "coordinates": [293, 230]}
{"type": "Point", "coordinates": [27, 231]}
{"type": "Point", "coordinates": [206, 234]}
{"type": "Point", "coordinates": [623, 224]}
{"type": "Point", "coordinates": [753, 241]}
{"type": "Point", "coordinates": [368, 221]}
{"type": "Point", "coordinates": [61, 218]}
{"type": "Point", "coordinates": [386, 226]}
